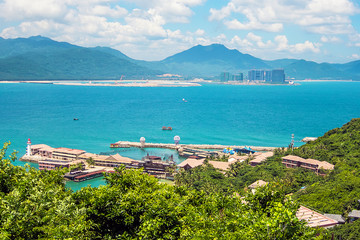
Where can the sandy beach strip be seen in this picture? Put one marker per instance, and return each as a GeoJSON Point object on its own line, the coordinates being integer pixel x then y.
{"type": "Point", "coordinates": [115, 83]}
{"type": "Point", "coordinates": [150, 83]}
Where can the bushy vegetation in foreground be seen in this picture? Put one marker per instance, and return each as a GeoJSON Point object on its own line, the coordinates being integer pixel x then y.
{"type": "Point", "coordinates": [338, 192]}
{"type": "Point", "coordinates": [36, 205]}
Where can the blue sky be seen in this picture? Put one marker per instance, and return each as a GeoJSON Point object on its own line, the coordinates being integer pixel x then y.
{"type": "Point", "coordinates": [316, 30]}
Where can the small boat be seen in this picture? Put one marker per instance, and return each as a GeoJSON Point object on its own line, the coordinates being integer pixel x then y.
{"type": "Point", "coordinates": [166, 128]}
{"type": "Point", "coordinates": [75, 119]}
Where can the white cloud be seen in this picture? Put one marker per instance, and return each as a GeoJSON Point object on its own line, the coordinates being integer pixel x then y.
{"type": "Point", "coordinates": [258, 40]}
{"type": "Point", "coordinates": [243, 43]}
{"type": "Point", "coordinates": [330, 6]}
{"type": "Point", "coordinates": [104, 22]}
{"type": "Point", "coordinates": [35, 9]}
{"type": "Point", "coordinates": [333, 29]}
{"type": "Point", "coordinates": [283, 45]}
{"type": "Point", "coordinates": [199, 32]}
{"type": "Point", "coordinates": [317, 16]}
{"type": "Point", "coordinates": [306, 46]}
{"type": "Point", "coordinates": [330, 39]}
{"type": "Point", "coordinates": [222, 13]}
{"type": "Point", "coordinates": [170, 10]}
{"type": "Point", "coordinates": [101, 10]}
{"type": "Point", "coordinates": [144, 32]}
{"type": "Point", "coordinates": [355, 56]}
{"type": "Point", "coordinates": [253, 25]}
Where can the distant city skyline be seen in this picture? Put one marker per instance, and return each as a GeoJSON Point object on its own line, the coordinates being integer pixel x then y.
{"type": "Point", "coordinates": [314, 30]}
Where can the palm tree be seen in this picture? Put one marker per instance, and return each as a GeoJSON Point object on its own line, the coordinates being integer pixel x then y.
{"type": "Point", "coordinates": [90, 161]}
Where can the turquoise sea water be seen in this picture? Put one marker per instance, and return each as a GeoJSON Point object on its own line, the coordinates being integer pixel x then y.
{"type": "Point", "coordinates": [223, 114]}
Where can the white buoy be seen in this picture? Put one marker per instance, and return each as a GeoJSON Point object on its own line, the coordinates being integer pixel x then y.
{"type": "Point", "coordinates": [142, 141]}
{"type": "Point", "coordinates": [176, 140]}
{"type": "Point", "coordinates": [28, 148]}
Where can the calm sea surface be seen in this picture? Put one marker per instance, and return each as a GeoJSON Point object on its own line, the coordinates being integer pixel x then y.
{"type": "Point", "coordinates": [223, 114]}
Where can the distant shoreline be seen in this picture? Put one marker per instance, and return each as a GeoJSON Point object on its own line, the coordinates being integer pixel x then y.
{"type": "Point", "coordinates": [115, 83]}
{"type": "Point", "coordinates": [161, 83]}
{"type": "Point", "coordinates": [326, 80]}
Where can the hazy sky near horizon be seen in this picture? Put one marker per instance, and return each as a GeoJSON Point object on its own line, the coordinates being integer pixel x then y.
{"type": "Point", "coordinates": [318, 30]}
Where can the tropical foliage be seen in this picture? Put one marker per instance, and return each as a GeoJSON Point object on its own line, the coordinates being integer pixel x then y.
{"type": "Point", "coordinates": [340, 190]}
{"type": "Point", "coordinates": [36, 205]}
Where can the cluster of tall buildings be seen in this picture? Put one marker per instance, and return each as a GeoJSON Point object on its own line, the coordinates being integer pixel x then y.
{"type": "Point", "coordinates": [270, 76]}
{"type": "Point", "coordinates": [226, 76]}
{"type": "Point", "coordinates": [259, 75]}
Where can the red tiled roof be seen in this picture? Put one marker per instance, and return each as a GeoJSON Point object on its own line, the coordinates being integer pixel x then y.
{"type": "Point", "coordinates": [320, 164]}
{"type": "Point", "coordinates": [262, 157]}
{"type": "Point", "coordinates": [314, 219]}
{"type": "Point", "coordinates": [191, 162]}
{"type": "Point", "coordinates": [117, 157]}
{"type": "Point", "coordinates": [221, 165]}
{"type": "Point", "coordinates": [194, 163]}
{"type": "Point", "coordinates": [69, 150]}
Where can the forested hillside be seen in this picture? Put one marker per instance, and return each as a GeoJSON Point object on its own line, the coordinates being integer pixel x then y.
{"type": "Point", "coordinates": [339, 192]}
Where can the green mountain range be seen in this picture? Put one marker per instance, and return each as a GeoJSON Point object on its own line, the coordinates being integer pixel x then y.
{"type": "Point", "coordinates": [40, 58]}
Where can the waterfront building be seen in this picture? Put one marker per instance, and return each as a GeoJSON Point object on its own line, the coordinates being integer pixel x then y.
{"type": "Point", "coordinates": [238, 77]}
{"type": "Point", "coordinates": [52, 165]}
{"type": "Point", "coordinates": [225, 77]}
{"type": "Point", "coordinates": [268, 76]}
{"type": "Point", "coordinates": [67, 153]}
{"type": "Point", "coordinates": [42, 150]}
{"type": "Point", "coordinates": [278, 76]}
{"type": "Point", "coordinates": [316, 166]}
{"type": "Point", "coordinates": [259, 75]}
{"type": "Point", "coordinates": [46, 151]}
{"type": "Point", "coordinates": [106, 160]}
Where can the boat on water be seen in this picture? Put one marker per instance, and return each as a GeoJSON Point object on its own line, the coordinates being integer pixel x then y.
{"type": "Point", "coordinates": [75, 119]}
{"type": "Point", "coordinates": [166, 128]}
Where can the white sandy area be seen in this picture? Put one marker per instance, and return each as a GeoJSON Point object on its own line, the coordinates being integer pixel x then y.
{"type": "Point", "coordinates": [129, 83]}
{"type": "Point", "coordinates": [116, 83]}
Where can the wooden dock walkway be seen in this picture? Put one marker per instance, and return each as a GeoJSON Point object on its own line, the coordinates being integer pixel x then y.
{"type": "Point", "coordinates": [127, 144]}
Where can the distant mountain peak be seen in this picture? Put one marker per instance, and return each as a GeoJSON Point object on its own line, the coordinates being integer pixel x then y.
{"type": "Point", "coordinates": [213, 46]}
{"type": "Point", "coordinates": [39, 38]}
